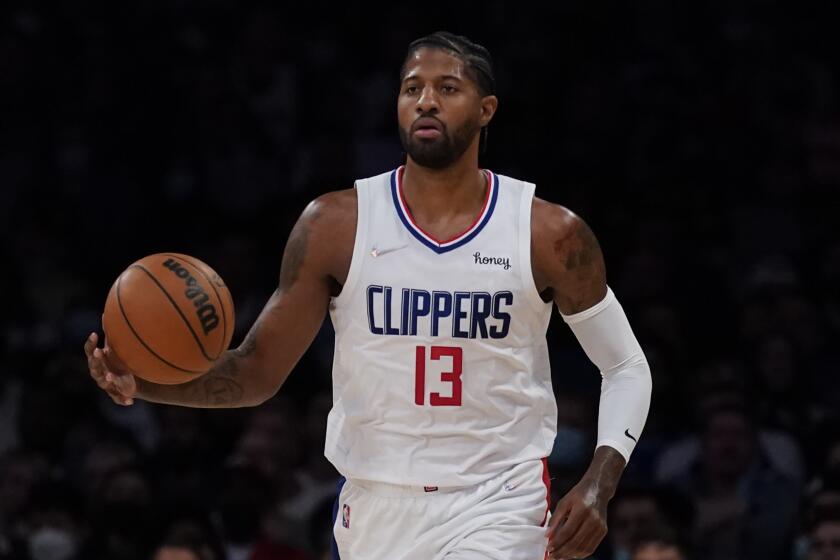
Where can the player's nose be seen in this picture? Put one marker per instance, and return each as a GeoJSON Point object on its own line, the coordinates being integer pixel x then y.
{"type": "Point", "coordinates": [427, 101]}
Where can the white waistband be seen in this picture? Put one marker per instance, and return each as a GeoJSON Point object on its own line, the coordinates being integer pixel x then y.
{"type": "Point", "coordinates": [387, 489]}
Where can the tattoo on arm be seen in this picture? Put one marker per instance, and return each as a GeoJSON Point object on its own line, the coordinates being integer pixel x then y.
{"type": "Point", "coordinates": [219, 391]}
{"type": "Point", "coordinates": [582, 279]}
{"type": "Point", "coordinates": [218, 388]}
{"type": "Point", "coordinates": [579, 249]}
{"type": "Point", "coordinates": [223, 386]}
{"type": "Point", "coordinates": [295, 252]}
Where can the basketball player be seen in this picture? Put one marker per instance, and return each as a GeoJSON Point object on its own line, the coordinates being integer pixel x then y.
{"type": "Point", "coordinates": [439, 277]}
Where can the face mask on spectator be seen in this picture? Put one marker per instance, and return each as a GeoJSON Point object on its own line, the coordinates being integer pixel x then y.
{"type": "Point", "coordinates": [621, 554]}
{"type": "Point", "coordinates": [51, 543]}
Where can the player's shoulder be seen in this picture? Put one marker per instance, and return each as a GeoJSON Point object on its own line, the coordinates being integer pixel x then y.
{"type": "Point", "coordinates": [327, 230]}
{"type": "Point", "coordinates": [334, 202]}
{"type": "Point", "coordinates": [558, 232]}
{"type": "Point", "coordinates": [332, 210]}
{"type": "Point", "coordinates": [340, 207]}
{"type": "Point", "coordinates": [566, 257]}
{"type": "Point", "coordinates": [552, 221]}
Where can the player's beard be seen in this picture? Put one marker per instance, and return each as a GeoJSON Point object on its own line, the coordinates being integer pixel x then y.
{"type": "Point", "coordinates": [440, 152]}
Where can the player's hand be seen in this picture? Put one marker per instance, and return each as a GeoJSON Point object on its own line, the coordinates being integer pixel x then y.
{"type": "Point", "coordinates": [578, 525]}
{"type": "Point", "coordinates": [109, 373]}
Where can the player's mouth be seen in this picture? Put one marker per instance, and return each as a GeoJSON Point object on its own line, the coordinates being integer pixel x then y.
{"type": "Point", "coordinates": [427, 127]}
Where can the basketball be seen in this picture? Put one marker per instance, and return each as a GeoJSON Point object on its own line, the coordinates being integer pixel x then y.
{"type": "Point", "coordinates": [168, 318]}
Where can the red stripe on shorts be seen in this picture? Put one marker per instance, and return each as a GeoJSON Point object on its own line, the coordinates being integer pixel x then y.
{"type": "Point", "coordinates": [547, 482]}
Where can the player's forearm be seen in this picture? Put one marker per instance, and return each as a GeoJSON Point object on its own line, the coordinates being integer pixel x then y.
{"type": "Point", "coordinates": [605, 335]}
{"type": "Point", "coordinates": [232, 382]}
{"type": "Point", "coordinates": [604, 472]}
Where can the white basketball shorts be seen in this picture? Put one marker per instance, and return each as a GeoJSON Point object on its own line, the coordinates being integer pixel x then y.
{"type": "Point", "coordinates": [503, 518]}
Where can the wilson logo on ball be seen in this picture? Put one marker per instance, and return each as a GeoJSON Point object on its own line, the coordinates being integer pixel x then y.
{"type": "Point", "coordinates": [206, 312]}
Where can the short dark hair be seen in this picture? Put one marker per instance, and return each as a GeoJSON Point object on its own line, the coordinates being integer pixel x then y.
{"type": "Point", "coordinates": [476, 58]}
{"type": "Point", "coordinates": [662, 536]}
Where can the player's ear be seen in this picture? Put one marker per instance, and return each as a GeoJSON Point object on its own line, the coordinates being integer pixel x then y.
{"type": "Point", "coordinates": [489, 104]}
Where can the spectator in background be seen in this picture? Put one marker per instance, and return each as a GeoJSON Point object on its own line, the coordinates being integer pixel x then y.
{"type": "Point", "coordinates": [245, 495]}
{"type": "Point", "coordinates": [20, 474]}
{"type": "Point", "coordinates": [746, 507]}
{"type": "Point", "coordinates": [176, 551]}
{"type": "Point", "coordinates": [273, 443]}
{"type": "Point", "coordinates": [783, 386]}
{"type": "Point", "coordinates": [54, 522]}
{"type": "Point", "coordinates": [659, 546]}
{"type": "Point", "coordinates": [316, 479]}
{"type": "Point", "coordinates": [632, 513]}
{"type": "Point", "coordinates": [638, 512]}
{"type": "Point", "coordinates": [246, 503]}
{"type": "Point", "coordinates": [825, 486]}
{"type": "Point", "coordinates": [824, 535]}
{"type": "Point", "coordinates": [189, 537]}
{"type": "Point", "coordinates": [779, 449]}
{"type": "Point", "coordinates": [122, 513]}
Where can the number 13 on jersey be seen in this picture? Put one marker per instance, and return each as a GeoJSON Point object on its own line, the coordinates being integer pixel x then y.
{"type": "Point", "coordinates": [453, 377]}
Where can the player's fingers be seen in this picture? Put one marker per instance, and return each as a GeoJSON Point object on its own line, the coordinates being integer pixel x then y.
{"type": "Point", "coordinates": [583, 543]}
{"type": "Point", "coordinates": [90, 344]}
{"type": "Point", "coordinates": [587, 537]}
{"type": "Point", "coordinates": [566, 538]}
{"type": "Point", "coordinates": [96, 364]}
{"type": "Point", "coordinates": [124, 383]}
{"type": "Point", "coordinates": [559, 515]}
{"type": "Point", "coordinates": [106, 380]}
{"type": "Point", "coordinates": [112, 361]}
{"type": "Point", "coordinates": [116, 389]}
{"type": "Point", "coordinates": [114, 393]}
{"type": "Point", "coordinates": [122, 401]}
{"type": "Point", "coordinates": [120, 391]}
{"type": "Point", "coordinates": [591, 541]}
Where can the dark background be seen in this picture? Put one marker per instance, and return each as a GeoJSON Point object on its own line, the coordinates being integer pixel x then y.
{"type": "Point", "coordinates": [700, 142]}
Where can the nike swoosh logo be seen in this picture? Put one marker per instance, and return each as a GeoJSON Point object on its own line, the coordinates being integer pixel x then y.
{"type": "Point", "coordinates": [627, 433]}
{"type": "Point", "coordinates": [376, 252]}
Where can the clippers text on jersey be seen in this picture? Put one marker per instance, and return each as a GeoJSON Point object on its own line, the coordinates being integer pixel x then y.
{"type": "Point", "coordinates": [413, 312]}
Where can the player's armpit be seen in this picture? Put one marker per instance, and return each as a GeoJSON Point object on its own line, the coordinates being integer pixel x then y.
{"type": "Point", "coordinates": [566, 258]}
{"type": "Point", "coordinates": [314, 265]}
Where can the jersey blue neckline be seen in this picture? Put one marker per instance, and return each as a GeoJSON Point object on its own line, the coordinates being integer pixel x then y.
{"type": "Point", "coordinates": [464, 237]}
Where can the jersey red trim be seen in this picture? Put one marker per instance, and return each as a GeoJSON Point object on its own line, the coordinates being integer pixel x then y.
{"type": "Point", "coordinates": [426, 233]}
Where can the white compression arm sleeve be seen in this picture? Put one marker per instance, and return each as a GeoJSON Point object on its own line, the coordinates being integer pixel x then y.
{"type": "Point", "coordinates": [605, 335]}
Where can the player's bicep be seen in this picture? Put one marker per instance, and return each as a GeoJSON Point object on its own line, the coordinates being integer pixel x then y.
{"type": "Point", "coordinates": [568, 257]}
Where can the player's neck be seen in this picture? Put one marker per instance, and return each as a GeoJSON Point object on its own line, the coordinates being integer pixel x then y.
{"type": "Point", "coordinates": [433, 194]}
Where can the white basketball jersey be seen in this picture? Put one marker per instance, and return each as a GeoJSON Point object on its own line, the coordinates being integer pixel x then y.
{"type": "Point", "coordinates": [441, 374]}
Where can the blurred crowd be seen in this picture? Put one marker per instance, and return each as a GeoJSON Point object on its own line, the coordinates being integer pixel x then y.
{"type": "Point", "coordinates": [701, 142]}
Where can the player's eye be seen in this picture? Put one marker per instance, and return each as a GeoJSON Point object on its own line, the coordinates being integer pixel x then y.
{"type": "Point", "coordinates": [449, 89]}
{"type": "Point", "coordinates": [411, 89]}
